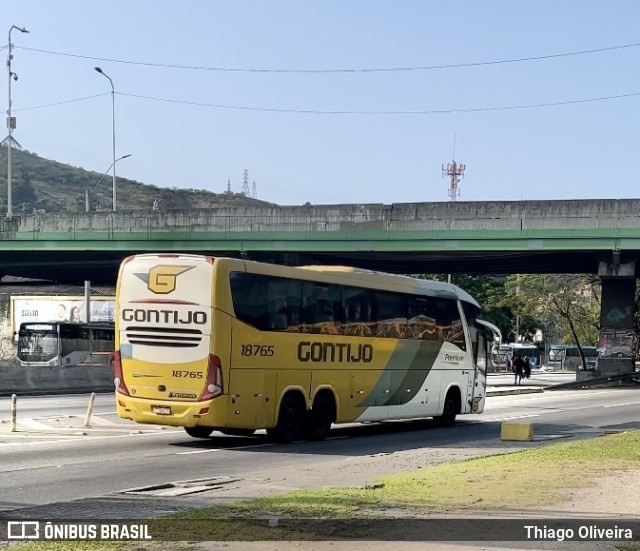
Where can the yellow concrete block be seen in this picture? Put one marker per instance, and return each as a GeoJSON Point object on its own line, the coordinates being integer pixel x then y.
{"type": "Point", "coordinates": [516, 431]}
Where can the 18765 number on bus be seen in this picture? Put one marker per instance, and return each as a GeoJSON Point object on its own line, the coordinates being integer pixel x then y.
{"type": "Point", "coordinates": [263, 350]}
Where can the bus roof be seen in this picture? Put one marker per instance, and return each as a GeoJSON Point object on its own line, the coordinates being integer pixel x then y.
{"type": "Point", "coordinates": [336, 274]}
{"type": "Point", "coordinates": [375, 279]}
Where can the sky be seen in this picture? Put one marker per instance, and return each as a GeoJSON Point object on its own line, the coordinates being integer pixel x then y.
{"type": "Point", "coordinates": [358, 101]}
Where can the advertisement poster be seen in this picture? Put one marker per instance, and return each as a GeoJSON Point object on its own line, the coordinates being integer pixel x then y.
{"type": "Point", "coordinates": [617, 342]}
{"type": "Point", "coordinates": [63, 308]}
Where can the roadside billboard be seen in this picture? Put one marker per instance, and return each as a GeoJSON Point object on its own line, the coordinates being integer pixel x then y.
{"type": "Point", "coordinates": [59, 308]}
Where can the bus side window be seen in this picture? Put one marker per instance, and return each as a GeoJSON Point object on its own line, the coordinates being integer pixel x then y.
{"type": "Point", "coordinates": [449, 323]}
{"type": "Point", "coordinates": [249, 295]}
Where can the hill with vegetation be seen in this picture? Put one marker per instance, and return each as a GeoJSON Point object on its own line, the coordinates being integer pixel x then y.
{"type": "Point", "coordinates": [43, 185]}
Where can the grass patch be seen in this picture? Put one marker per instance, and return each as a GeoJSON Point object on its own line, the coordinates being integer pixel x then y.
{"type": "Point", "coordinates": [517, 480]}
{"type": "Point", "coordinates": [507, 481]}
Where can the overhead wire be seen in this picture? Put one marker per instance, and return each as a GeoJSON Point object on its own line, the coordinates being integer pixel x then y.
{"type": "Point", "coordinates": [346, 112]}
{"type": "Point", "coordinates": [344, 70]}
{"type": "Point", "coordinates": [32, 108]}
{"type": "Point", "coordinates": [361, 70]}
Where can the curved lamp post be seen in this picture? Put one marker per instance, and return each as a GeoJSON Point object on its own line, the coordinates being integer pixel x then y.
{"type": "Point", "coordinates": [87, 192]}
{"type": "Point", "coordinates": [113, 135]}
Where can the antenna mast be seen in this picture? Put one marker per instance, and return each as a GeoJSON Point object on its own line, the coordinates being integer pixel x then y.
{"type": "Point", "coordinates": [245, 183]}
{"type": "Point", "coordinates": [455, 171]}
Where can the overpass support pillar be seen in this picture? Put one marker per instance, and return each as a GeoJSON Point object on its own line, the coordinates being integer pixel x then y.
{"type": "Point", "coordinates": [618, 340]}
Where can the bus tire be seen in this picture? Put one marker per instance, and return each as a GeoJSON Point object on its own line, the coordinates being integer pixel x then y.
{"type": "Point", "coordinates": [319, 420]}
{"type": "Point", "coordinates": [237, 432]}
{"type": "Point", "coordinates": [290, 418]}
{"type": "Point", "coordinates": [449, 411]}
{"type": "Point", "coordinates": [199, 432]}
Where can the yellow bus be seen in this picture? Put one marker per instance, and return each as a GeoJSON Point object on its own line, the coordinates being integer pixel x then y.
{"type": "Point", "coordinates": [224, 344]}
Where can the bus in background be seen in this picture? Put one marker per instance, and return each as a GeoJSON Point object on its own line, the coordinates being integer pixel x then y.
{"type": "Point", "coordinates": [236, 346]}
{"type": "Point", "coordinates": [573, 362]}
{"type": "Point", "coordinates": [556, 357]}
{"type": "Point", "coordinates": [500, 356]}
{"type": "Point", "coordinates": [528, 350]}
{"type": "Point", "coordinates": [62, 343]}
{"type": "Point", "coordinates": [567, 357]}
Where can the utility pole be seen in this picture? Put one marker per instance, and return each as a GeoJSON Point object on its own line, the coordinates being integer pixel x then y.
{"type": "Point", "coordinates": [11, 123]}
{"type": "Point", "coordinates": [518, 307]}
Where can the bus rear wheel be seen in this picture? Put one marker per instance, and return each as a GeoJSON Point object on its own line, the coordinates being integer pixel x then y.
{"type": "Point", "coordinates": [198, 432]}
{"type": "Point", "coordinates": [450, 410]}
{"type": "Point", "coordinates": [319, 420]}
{"type": "Point", "coordinates": [290, 419]}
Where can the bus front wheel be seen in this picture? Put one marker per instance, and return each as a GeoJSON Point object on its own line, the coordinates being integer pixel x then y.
{"type": "Point", "coordinates": [450, 410]}
{"type": "Point", "coordinates": [198, 432]}
{"type": "Point", "coordinates": [290, 419]}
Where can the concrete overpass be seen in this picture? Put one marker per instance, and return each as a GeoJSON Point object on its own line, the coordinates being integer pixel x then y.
{"type": "Point", "coordinates": [454, 237]}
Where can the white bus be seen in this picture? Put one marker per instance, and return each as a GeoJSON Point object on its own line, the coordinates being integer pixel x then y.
{"type": "Point", "coordinates": [63, 343]}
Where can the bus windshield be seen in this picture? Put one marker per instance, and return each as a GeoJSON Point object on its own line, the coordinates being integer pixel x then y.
{"type": "Point", "coordinates": [527, 351]}
{"type": "Point", "coordinates": [38, 343]}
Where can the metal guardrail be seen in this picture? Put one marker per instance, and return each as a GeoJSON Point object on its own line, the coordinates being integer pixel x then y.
{"type": "Point", "coordinates": [586, 383]}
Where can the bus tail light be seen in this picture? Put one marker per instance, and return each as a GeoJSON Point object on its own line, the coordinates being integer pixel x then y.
{"type": "Point", "coordinates": [213, 386]}
{"type": "Point", "coordinates": [118, 380]}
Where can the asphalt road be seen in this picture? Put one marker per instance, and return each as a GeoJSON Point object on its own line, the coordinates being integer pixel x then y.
{"type": "Point", "coordinates": [44, 471]}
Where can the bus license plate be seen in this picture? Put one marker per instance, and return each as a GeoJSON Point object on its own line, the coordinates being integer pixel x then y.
{"type": "Point", "coordinates": [161, 410]}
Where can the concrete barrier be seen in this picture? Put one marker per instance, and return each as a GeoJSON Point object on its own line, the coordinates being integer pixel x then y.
{"type": "Point", "coordinates": [29, 381]}
{"type": "Point", "coordinates": [520, 432]}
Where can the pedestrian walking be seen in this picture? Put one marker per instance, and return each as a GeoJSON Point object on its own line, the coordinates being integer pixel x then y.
{"type": "Point", "coordinates": [526, 370]}
{"type": "Point", "coordinates": [518, 367]}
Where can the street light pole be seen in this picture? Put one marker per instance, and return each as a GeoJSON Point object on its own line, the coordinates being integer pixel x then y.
{"type": "Point", "coordinates": [113, 134]}
{"type": "Point", "coordinates": [11, 124]}
{"type": "Point", "coordinates": [87, 192]}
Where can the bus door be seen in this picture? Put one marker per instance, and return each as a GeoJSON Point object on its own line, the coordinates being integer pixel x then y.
{"type": "Point", "coordinates": [487, 334]}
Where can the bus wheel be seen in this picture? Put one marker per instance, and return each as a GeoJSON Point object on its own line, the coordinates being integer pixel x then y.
{"type": "Point", "coordinates": [289, 420]}
{"type": "Point", "coordinates": [450, 410]}
{"type": "Point", "coordinates": [237, 432]}
{"type": "Point", "coordinates": [199, 432]}
{"type": "Point", "coordinates": [319, 420]}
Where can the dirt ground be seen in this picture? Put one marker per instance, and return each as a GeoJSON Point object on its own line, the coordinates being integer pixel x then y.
{"type": "Point", "coordinates": [616, 497]}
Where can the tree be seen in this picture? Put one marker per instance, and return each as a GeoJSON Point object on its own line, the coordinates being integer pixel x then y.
{"type": "Point", "coordinates": [570, 302]}
{"type": "Point", "coordinates": [489, 291]}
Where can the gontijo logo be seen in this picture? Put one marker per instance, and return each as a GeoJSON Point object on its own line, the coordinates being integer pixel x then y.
{"type": "Point", "coordinates": [161, 280]}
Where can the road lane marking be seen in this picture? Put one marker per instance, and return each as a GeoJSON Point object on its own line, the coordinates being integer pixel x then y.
{"type": "Point", "coordinates": [200, 451]}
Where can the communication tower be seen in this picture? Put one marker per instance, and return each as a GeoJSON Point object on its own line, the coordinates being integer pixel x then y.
{"type": "Point", "coordinates": [454, 171]}
{"type": "Point", "coordinates": [245, 183]}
